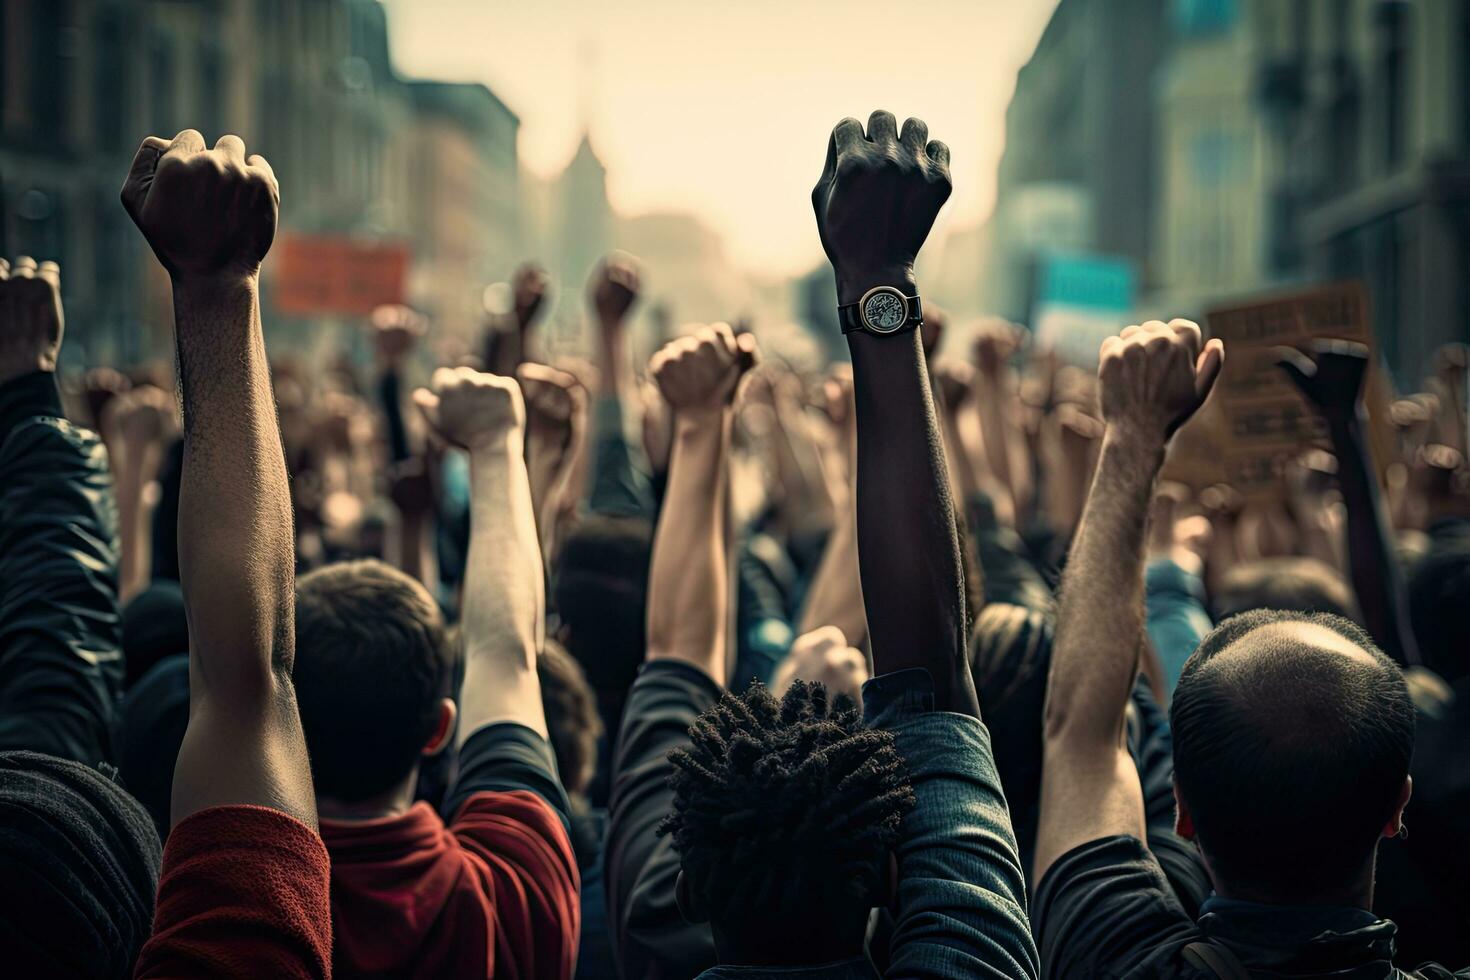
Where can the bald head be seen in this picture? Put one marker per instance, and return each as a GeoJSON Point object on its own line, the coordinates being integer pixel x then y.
{"type": "Point", "coordinates": [1292, 738]}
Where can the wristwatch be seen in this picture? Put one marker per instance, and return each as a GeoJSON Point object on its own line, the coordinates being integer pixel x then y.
{"type": "Point", "coordinates": [883, 310]}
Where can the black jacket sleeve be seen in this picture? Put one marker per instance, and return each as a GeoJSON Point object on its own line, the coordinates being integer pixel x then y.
{"type": "Point", "coordinates": [60, 658]}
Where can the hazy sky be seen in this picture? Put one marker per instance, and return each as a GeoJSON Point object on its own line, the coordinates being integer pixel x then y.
{"type": "Point", "coordinates": [722, 107]}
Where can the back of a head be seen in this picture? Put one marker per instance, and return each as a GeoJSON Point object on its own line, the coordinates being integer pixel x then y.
{"type": "Point", "coordinates": [1292, 739]}
{"type": "Point", "coordinates": [153, 627]}
{"type": "Point", "coordinates": [572, 721]}
{"type": "Point", "coordinates": [372, 668]}
{"type": "Point", "coordinates": [79, 859]}
{"type": "Point", "coordinates": [600, 591]}
{"type": "Point", "coordinates": [1303, 585]}
{"type": "Point", "coordinates": [1439, 594]}
{"type": "Point", "coordinates": [784, 816]}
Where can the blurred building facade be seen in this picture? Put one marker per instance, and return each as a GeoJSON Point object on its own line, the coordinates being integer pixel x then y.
{"type": "Point", "coordinates": [307, 83]}
{"type": "Point", "coordinates": [1256, 144]}
{"type": "Point", "coordinates": [1078, 170]}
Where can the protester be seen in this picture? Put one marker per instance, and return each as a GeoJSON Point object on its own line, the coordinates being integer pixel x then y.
{"type": "Point", "coordinates": [730, 663]}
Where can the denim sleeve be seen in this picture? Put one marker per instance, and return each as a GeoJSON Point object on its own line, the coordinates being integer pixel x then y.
{"type": "Point", "coordinates": [60, 643]}
{"type": "Point", "coordinates": [961, 891]}
{"type": "Point", "coordinates": [620, 480]}
{"type": "Point", "coordinates": [1177, 619]}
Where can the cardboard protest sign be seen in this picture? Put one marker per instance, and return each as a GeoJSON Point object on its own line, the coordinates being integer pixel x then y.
{"type": "Point", "coordinates": [1256, 420]}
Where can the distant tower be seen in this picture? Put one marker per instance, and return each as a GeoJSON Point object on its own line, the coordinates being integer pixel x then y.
{"type": "Point", "coordinates": [581, 216]}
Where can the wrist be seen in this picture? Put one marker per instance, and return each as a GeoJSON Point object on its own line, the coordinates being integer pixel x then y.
{"type": "Point", "coordinates": [1141, 444]}
{"type": "Point", "coordinates": [852, 283]}
{"type": "Point", "coordinates": [498, 447]}
{"type": "Point", "coordinates": [697, 420]}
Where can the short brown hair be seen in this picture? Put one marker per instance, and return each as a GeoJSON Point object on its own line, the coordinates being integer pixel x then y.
{"type": "Point", "coordinates": [372, 665]}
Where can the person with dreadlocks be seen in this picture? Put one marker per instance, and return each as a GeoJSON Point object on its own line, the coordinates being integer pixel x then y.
{"type": "Point", "coordinates": [791, 820]}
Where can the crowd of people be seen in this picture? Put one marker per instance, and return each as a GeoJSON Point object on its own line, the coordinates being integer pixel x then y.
{"type": "Point", "coordinates": [719, 667]}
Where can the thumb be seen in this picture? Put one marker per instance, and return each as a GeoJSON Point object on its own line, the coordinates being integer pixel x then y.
{"type": "Point", "coordinates": [747, 351]}
{"type": "Point", "coordinates": [428, 406]}
{"type": "Point", "coordinates": [140, 174]}
{"type": "Point", "coordinates": [1207, 369]}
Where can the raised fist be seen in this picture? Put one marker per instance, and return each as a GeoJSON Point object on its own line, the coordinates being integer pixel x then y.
{"type": "Point", "coordinates": [823, 656]}
{"type": "Point", "coordinates": [396, 331]}
{"type": "Point", "coordinates": [471, 409]}
{"type": "Point", "coordinates": [206, 213]}
{"type": "Point", "coordinates": [139, 416]}
{"type": "Point", "coordinates": [529, 287]}
{"type": "Point", "coordinates": [1329, 373]}
{"type": "Point", "coordinates": [613, 287]}
{"type": "Point", "coordinates": [996, 342]}
{"type": "Point", "coordinates": [556, 404]}
{"type": "Point", "coordinates": [30, 317]}
{"type": "Point", "coordinates": [877, 199]}
{"type": "Point", "coordinates": [954, 380]}
{"type": "Point", "coordinates": [700, 372]}
{"type": "Point", "coordinates": [1153, 377]}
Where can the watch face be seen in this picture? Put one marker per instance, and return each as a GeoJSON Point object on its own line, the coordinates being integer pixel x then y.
{"type": "Point", "coordinates": [885, 310]}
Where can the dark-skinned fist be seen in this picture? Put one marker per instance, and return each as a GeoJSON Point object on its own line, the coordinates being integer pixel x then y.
{"type": "Point", "coordinates": [877, 198]}
{"type": "Point", "coordinates": [613, 288]}
{"type": "Point", "coordinates": [1329, 373]}
{"type": "Point", "coordinates": [30, 317]}
{"type": "Point", "coordinates": [208, 214]}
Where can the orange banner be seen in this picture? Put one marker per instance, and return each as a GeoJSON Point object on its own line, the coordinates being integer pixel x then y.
{"type": "Point", "coordinates": [320, 274]}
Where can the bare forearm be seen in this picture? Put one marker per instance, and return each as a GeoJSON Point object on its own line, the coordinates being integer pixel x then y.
{"type": "Point", "coordinates": [235, 529]}
{"type": "Point", "coordinates": [908, 546]}
{"type": "Point", "coordinates": [504, 599]}
{"type": "Point", "coordinates": [688, 578]}
{"type": "Point", "coordinates": [836, 594]}
{"type": "Point", "coordinates": [1100, 620]}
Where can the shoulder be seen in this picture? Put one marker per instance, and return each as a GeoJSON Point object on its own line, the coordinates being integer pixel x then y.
{"type": "Point", "coordinates": [1106, 908]}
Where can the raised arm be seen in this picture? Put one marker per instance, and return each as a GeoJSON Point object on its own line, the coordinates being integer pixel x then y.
{"type": "Point", "coordinates": [688, 577]}
{"type": "Point", "coordinates": [504, 619]}
{"type": "Point", "coordinates": [60, 664]}
{"type": "Point", "coordinates": [210, 216]}
{"type": "Point", "coordinates": [619, 474]}
{"type": "Point", "coordinates": [1331, 377]}
{"type": "Point", "coordinates": [875, 203]}
{"type": "Point", "coordinates": [1153, 378]}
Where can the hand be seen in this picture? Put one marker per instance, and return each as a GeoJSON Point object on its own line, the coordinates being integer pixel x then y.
{"type": "Point", "coordinates": [411, 487]}
{"type": "Point", "coordinates": [472, 410]}
{"type": "Point", "coordinates": [613, 288]}
{"type": "Point", "coordinates": [1330, 376]}
{"type": "Point", "coordinates": [140, 416]}
{"type": "Point", "coordinates": [1153, 377]}
{"type": "Point", "coordinates": [206, 213]}
{"type": "Point", "coordinates": [995, 345]}
{"type": "Point", "coordinates": [1183, 539]}
{"type": "Point", "coordinates": [700, 372]}
{"type": "Point", "coordinates": [529, 287]}
{"type": "Point", "coordinates": [396, 331]}
{"type": "Point", "coordinates": [556, 406]}
{"type": "Point", "coordinates": [876, 201]}
{"type": "Point", "coordinates": [30, 317]}
{"type": "Point", "coordinates": [954, 381]}
{"type": "Point", "coordinates": [823, 656]}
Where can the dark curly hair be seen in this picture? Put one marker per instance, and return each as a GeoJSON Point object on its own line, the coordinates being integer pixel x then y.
{"type": "Point", "coordinates": [782, 808]}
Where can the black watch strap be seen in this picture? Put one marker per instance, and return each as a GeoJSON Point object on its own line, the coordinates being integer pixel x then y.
{"type": "Point", "coordinates": [850, 317]}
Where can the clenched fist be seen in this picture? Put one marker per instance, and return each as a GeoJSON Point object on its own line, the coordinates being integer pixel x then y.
{"type": "Point", "coordinates": [877, 199]}
{"type": "Point", "coordinates": [206, 213]}
{"type": "Point", "coordinates": [30, 317]}
{"type": "Point", "coordinates": [529, 287]}
{"type": "Point", "coordinates": [700, 372]}
{"type": "Point", "coordinates": [1154, 376]}
{"type": "Point", "coordinates": [396, 331]}
{"type": "Point", "coordinates": [471, 409]}
{"type": "Point", "coordinates": [556, 405]}
{"type": "Point", "coordinates": [613, 287]}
